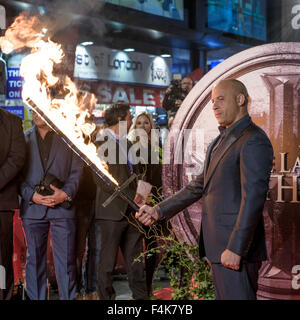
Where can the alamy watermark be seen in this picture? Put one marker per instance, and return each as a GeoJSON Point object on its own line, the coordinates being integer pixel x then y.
{"type": "Point", "coordinates": [2, 277]}
{"type": "Point", "coordinates": [296, 277]}
{"type": "Point", "coordinates": [182, 147]}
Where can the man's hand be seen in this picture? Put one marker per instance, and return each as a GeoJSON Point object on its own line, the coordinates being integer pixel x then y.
{"type": "Point", "coordinates": [230, 260]}
{"type": "Point", "coordinates": [139, 199]}
{"type": "Point", "coordinates": [43, 200]}
{"type": "Point", "coordinates": [59, 196]}
{"type": "Point", "coordinates": [146, 215]}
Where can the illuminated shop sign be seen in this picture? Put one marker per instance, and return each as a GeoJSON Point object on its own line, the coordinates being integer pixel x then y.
{"type": "Point", "coordinates": [124, 64]}
{"type": "Point", "coordinates": [100, 63]}
{"type": "Point", "coordinates": [135, 95]}
{"type": "Point", "coordinates": [17, 110]}
{"type": "Point", "coordinates": [14, 84]}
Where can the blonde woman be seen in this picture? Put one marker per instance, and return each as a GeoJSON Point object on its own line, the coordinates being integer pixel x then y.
{"type": "Point", "coordinates": [148, 151]}
{"type": "Point", "coordinates": [140, 136]}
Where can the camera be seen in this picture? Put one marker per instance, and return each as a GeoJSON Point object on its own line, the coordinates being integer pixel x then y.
{"type": "Point", "coordinates": [176, 93]}
{"type": "Point", "coordinates": [44, 189]}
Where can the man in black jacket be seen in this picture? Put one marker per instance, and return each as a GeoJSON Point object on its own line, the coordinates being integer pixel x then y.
{"type": "Point", "coordinates": [175, 94]}
{"type": "Point", "coordinates": [116, 224]}
{"type": "Point", "coordinates": [233, 187]}
{"type": "Point", "coordinates": [12, 157]}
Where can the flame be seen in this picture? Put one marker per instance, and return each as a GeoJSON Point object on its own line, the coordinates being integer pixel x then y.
{"type": "Point", "coordinates": [68, 109]}
{"type": "Point", "coordinates": [24, 32]}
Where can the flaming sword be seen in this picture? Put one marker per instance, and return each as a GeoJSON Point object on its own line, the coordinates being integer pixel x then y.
{"type": "Point", "coordinates": [118, 190]}
{"type": "Point", "coordinates": [26, 32]}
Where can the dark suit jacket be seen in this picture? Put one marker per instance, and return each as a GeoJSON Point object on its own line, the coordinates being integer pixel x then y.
{"type": "Point", "coordinates": [121, 172]}
{"type": "Point", "coordinates": [12, 157]}
{"type": "Point", "coordinates": [62, 163]}
{"type": "Point", "coordinates": [233, 187]}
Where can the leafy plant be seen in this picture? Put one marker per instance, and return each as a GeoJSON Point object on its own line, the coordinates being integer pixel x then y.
{"type": "Point", "coordinates": [190, 275]}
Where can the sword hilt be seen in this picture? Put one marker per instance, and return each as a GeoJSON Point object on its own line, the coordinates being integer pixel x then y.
{"type": "Point", "coordinates": [118, 193]}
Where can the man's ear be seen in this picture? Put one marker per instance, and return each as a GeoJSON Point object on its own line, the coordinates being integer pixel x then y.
{"type": "Point", "coordinates": [240, 99]}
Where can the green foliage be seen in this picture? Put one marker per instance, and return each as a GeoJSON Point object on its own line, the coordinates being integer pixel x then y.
{"type": "Point", "coordinates": [190, 275]}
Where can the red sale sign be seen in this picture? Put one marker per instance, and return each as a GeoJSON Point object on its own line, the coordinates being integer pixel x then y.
{"type": "Point", "coordinates": [109, 93]}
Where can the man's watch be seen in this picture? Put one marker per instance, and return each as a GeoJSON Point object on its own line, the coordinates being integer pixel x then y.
{"type": "Point", "coordinates": [68, 198]}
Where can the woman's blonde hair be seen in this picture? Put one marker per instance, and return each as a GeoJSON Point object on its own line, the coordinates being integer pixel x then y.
{"type": "Point", "coordinates": [131, 133]}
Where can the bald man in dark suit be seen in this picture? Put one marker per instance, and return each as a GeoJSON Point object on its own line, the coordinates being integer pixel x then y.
{"type": "Point", "coordinates": [233, 187]}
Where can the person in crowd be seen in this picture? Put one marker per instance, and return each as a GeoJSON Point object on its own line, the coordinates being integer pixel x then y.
{"type": "Point", "coordinates": [116, 222]}
{"type": "Point", "coordinates": [150, 153]}
{"type": "Point", "coordinates": [174, 96]}
{"type": "Point", "coordinates": [89, 280]}
{"type": "Point", "coordinates": [12, 158]}
{"type": "Point", "coordinates": [84, 204]}
{"type": "Point", "coordinates": [92, 261]}
{"type": "Point", "coordinates": [233, 188]}
{"type": "Point", "coordinates": [50, 180]}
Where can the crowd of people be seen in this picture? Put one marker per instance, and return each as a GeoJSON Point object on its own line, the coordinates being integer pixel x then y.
{"type": "Point", "coordinates": [60, 194]}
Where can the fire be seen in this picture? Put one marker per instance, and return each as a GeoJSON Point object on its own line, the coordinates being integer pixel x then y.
{"type": "Point", "coordinates": [57, 97]}
{"type": "Point", "coordinates": [24, 32]}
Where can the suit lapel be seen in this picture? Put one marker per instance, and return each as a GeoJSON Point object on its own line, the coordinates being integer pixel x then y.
{"type": "Point", "coordinates": [223, 147]}
{"type": "Point", "coordinates": [53, 151]}
{"type": "Point", "coordinates": [128, 158]}
{"type": "Point", "coordinates": [36, 150]}
{"type": "Point", "coordinates": [209, 150]}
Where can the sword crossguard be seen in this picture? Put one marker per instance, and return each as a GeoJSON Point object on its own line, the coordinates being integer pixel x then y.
{"type": "Point", "coordinates": [118, 193]}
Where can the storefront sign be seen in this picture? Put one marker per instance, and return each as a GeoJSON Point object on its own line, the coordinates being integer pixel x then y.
{"type": "Point", "coordinates": [100, 63]}
{"type": "Point", "coordinates": [108, 93]}
{"type": "Point", "coordinates": [14, 84]}
{"type": "Point", "coordinates": [17, 110]}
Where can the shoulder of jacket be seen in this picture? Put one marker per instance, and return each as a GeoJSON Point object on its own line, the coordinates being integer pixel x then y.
{"type": "Point", "coordinates": [4, 114]}
{"type": "Point", "coordinates": [29, 132]}
{"type": "Point", "coordinates": [254, 132]}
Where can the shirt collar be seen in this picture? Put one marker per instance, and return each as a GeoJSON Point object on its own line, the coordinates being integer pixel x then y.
{"type": "Point", "coordinates": [225, 131]}
{"type": "Point", "coordinates": [112, 133]}
{"type": "Point", "coordinates": [48, 134]}
{"type": "Point", "coordinates": [222, 130]}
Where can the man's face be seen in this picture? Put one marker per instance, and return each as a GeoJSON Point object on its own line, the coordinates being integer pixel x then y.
{"type": "Point", "coordinates": [38, 121]}
{"type": "Point", "coordinates": [225, 106]}
{"type": "Point", "coordinates": [186, 85]}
